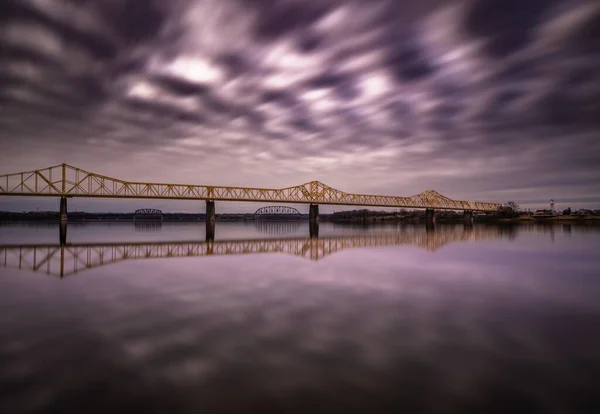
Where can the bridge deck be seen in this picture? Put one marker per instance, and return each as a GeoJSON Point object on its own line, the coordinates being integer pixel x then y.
{"type": "Point", "coordinates": [68, 181]}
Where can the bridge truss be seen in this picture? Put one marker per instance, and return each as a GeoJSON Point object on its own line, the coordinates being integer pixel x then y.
{"type": "Point", "coordinates": [277, 211]}
{"type": "Point", "coordinates": [148, 211]}
{"type": "Point", "coordinates": [67, 181]}
{"type": "Point", "coordinates": [69, 259]}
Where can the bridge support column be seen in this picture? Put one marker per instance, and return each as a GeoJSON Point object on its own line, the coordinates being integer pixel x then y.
{"type": "Point", "coordinates": [430, 215]}
{"type": "Point", "coordinates": [468, 217]}
{"type": "Point", "coordinates": [313, 213]}
{"type": "Point", "coordinates": [210, 220]}
{"type": "Point", "coordinates": [313, 220]}
{"type": "Point", "coordinates": [63, 209]}
{"type": "Point", "coordinates": [62, 232]}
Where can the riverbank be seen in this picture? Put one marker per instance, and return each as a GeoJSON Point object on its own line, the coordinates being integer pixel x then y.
{"type": "Point", "coordinates": [459, 219]}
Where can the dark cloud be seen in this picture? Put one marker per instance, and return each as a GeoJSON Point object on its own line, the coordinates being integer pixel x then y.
{"type": "Point", "coordinates": [506, 25]}
{"type": "Point", "coordinates": [407, 59]}
{"type": "Point", "coordinates": [404, 94]}
{"type": "Point", "coordinates": [134, 21]}
{"type": "Point", "coordinates": [280, 17]}
{"type": "Point", "coordinates": [180, 87]}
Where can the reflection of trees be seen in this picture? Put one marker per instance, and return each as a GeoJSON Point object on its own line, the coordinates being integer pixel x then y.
{"type": "Point", "coordinates": [508, 230]}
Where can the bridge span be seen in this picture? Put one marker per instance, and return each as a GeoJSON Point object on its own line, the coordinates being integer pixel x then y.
{"type": "Point", "coordinates": [66, 181]}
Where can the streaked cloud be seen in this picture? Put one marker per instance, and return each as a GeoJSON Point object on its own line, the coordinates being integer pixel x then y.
{"type": "Point", "coordinates": [479, 99]}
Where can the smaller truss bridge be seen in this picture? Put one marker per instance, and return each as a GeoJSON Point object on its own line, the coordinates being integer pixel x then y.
{"type": "Point", "coordinates": [277, 211]}
{"type": "Point", "coordinates": [152, 211]}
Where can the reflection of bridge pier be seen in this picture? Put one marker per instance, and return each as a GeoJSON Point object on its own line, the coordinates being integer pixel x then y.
{"type": "Point", "coordinates": [430, 216]}
{"type": "Point", "coordinates": [210, 220]}
{"type": "Point", "coordinates": [429, 227]}
{"type": "Point", "coordinates": [67, 259]}
{"type": "Point", "coordinates": [313, 229]}
{"type": "Point", "coordinates": [62, 232]}
{"type": "Point", "coordinates": [468, 217]}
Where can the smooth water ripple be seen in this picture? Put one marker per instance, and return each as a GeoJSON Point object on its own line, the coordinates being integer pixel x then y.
{"type": "Point", "coordinates": [454, 319]}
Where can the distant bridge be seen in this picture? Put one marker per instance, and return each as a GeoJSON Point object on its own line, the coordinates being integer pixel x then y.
{"type": "Point", "coordinates": [148, 214]}
{"type": "Point", "coordinates": [66, 181]}
{"type": "Point", "coordinates": [69, 259]}
{"type": "Point", "coordinates": [148, 211]}
{"type": "Point", "coordinates": [277, 211]}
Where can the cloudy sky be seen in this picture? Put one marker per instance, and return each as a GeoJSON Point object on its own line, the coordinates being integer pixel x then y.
{"type": "Point", "coordinates": [491, 100]}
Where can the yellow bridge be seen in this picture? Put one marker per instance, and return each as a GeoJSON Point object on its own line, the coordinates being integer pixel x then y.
{"type": "Point", "coordinates": [68, 259]}
{"type": "Point", "coordinates": [66, 181]}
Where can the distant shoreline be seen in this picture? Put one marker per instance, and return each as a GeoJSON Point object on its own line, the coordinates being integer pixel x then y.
{"type": "Point", "coordinates": [80, 217]}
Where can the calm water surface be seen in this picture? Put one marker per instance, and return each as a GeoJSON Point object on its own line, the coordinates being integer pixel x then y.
{"type": "Point", "coordinates": [375, 319]}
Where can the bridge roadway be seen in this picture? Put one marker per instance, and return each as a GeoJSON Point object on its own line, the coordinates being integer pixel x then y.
{"type": "Point", "coordinates": [68, 259]}
{"type": "Point", "coordinates": [66, 181]}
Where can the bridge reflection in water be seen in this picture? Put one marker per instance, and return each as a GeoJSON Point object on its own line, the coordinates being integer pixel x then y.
{"type": "Point", "coordinates": [71, 258]}
{"type": "Point", "coordinates": [277, 227]}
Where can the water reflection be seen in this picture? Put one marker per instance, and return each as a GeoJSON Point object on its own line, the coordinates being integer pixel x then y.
{"type": "Point", "coordinates": [152, 226]}
{"type": "Point", "coordinates": [278, 227]}
{"type": "Point", "coordinates": [69, 258]}
{"type": "Point", "coordinates": [504, 324]}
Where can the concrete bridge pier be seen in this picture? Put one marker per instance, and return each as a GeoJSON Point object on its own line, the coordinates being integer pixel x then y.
{"type": "Point", "coordinates": [468, 217]}
{"type": "Point", "coordinates": [63, 209]}
{"type": "Point", "coordinates": [210, 220]}
{"type": "Point", "coordinates": [430, 215]}
{"type": "Point", "coordinates": [313, 228]}
{"type": "Point", "coordinates": [62, 232]}
{"type": "Point", "coordinates": [313, 213]}
{"type": "Point", "coordinates": [313, 220]}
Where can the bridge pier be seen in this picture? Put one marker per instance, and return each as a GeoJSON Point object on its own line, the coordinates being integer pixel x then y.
{"type": "Point", "coordinates": [63, 209]}
{"type": "Point", "coordinates": [468, 217]}
{"type": "Point", "coordinates": [313, 213]}
{"type": "Point", "coordinates": [313, 229]}
{"type": "Point", "coordinates": [62, 232]}
{"type": "Point", "coordinates": [430, 215]}
{"type": "Point", "coordinates": [313, 220]}
{"type": "Point", "coordinates": [210, 220]}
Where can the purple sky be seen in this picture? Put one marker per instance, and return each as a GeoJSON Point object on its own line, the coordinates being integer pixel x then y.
{"type": "Point", "coordinates": [490, 100]}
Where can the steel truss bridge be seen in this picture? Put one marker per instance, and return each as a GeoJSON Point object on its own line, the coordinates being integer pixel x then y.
{"type": "Point", "coordinates": [67, 181]}
{"type": "Point", "coordinates": [277, 211]}
{"type": "Point", "coordinates": [69, 259]}
{"type": "Point", "coordinates": [148, 211]}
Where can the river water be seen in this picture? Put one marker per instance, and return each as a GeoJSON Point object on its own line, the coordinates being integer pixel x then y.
{"type": "Point", "coordinates": [387, 318]}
